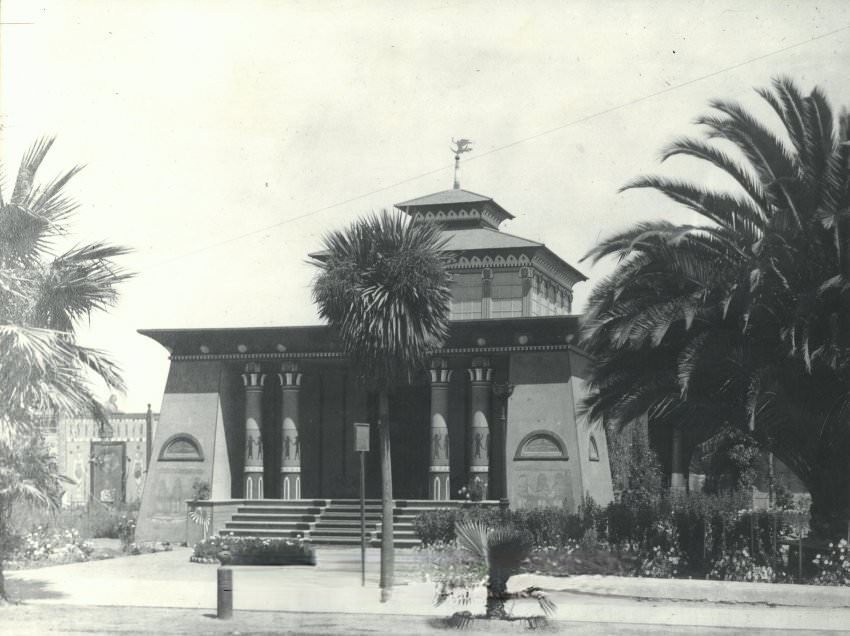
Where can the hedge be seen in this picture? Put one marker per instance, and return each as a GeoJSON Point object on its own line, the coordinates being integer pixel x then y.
{"type": "Point", "coordinates": [253, 551]}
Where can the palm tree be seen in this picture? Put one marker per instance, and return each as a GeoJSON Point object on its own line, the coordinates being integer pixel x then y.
{"type": "Point", "coordinates": [501, 551]}
{"type": "Point", "coordinates": [28, 474]}
{"type": "Point", "coordinates": [743, 321]}
{"type": "Point", "coordinates": [43, 295]}
{"type": "Point", "coordinates": [384, 288]}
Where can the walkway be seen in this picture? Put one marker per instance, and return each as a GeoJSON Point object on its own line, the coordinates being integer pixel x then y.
{"type": "Point", "coordinates": [168, 579]}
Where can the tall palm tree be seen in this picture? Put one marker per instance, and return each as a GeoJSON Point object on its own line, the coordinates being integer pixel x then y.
{"type": "Point", "coordinates": [384, 288]}
{"type": "Point", "coordinates": [43, 295]}
{"type": "Point", "coordinates": [742, 321]}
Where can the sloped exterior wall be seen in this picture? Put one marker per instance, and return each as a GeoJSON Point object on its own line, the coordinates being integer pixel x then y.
{"type": "Point", "coordinates": [191, 415]}
{"type": "Point", "coordinates": [547, 455]}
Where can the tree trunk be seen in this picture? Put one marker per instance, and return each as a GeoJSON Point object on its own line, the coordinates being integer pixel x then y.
{"type": "Point", "coordinates": [497, 592]}
{"type": "Point", "coordinates": [387, 535]}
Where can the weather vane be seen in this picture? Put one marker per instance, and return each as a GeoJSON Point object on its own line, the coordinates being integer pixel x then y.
{"type": "Point", "coordinates": [460, 146]}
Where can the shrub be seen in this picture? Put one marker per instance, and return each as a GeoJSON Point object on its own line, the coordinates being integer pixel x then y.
{"type": "Point", "coordinates": [438, 526]}
{"type": "Point", "coordinates": [834, 568]}
{"type": "Point", "coordinates": [126, 530]}
{"type": "Point", "coordinates": [254, 551]}
{"type": "Point", "coordinates": [43, 546]}
{"type": "Point", "coordinates": [435, 526]}
{"type": "Point", "coordinates": [740, 565]}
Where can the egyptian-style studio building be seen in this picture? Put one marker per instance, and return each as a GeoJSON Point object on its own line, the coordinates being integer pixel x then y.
{"type": "Point", "coordinates": [268, 413]}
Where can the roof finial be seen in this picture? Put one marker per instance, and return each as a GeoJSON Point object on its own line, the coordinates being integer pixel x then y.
{"type": "Point", "coordinates": [460, 146]}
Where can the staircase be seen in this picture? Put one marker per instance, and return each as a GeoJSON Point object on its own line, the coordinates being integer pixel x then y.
{"type": "Point", "coordinates": [329, 522]}
{"type": "Point", "coordinates": [275, 518]}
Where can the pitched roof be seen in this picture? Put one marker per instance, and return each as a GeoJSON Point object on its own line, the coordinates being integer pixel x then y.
{"type": "Point", "coordinates": [445, 197]}
{"type": "Point", "coordinates": [484, 238]}
{"type": "Point", "coordinates": [452, 197]}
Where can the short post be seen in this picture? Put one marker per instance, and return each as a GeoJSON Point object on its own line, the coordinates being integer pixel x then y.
{"type": "Point", "coordinates": [224, 602]}
{"type": "Point", "coordinates": [361, 445]}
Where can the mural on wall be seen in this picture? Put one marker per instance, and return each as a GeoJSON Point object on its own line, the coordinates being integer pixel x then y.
{"type": "Point", "coordinates": [173, 487]}
{"type": "Point", "coordinates": [543, 478]}
{"type": "Point", "coordinates": [543, 488]}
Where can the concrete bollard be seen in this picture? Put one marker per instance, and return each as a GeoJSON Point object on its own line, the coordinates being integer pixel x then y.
{"type": "Point", "coordinates": [225, 593]}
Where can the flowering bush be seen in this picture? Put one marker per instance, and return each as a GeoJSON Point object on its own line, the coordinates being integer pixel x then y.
{"type": "Point", "coordinates": [126, 530]}
{"type": "Point", "coordinates": [740, 565]}
{"type": "Point", "coordinates": [44, 546]}
{"type": "Point", "coordinates": [254, 551]}
{"type": "Point", "coordinates": [661, 556]}
{"type": "Point", "coordinates": [835, 566]}
{"type": "Point", "coordinates": [475, 491]}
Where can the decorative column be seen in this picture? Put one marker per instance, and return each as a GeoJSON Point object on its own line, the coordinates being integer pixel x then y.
{"type": "Point", "coordinates": [438, 475]}
{"type": "Point", "coordinates": [498, 451]}
{"type": "Point", "coordinates": [290, 452]}
{"type": "Point", "coordinates": [480, 378]}
{"type": "Point", "coordinates": [677, 463]}
{"type": "Point", "coordinates": [253, 475]}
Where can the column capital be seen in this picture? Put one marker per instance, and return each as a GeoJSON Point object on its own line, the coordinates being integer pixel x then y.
{"type": "Point", "coordinates": [480, 370]}
{"type": "Point", "coordinates": [290, 376]}
{"type": "Point", "coordinates": [253, 378]}
{"type": "Point", "coordinates": [439, 371]}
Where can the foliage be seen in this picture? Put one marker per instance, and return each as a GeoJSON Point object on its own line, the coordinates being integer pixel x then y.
{"type": "Point", "coordinates": [438, 526]}
{"type": "Point", "coordinates": [44, 546]}
{"type": "Point", "coordinates": [126, 530]}
{"type": "Point", "coordinates": [742, 321]}
{"type": "Point", "coordinates": [731, 461]}
{"type": "Point", "coordinates": [200, 490]}
{"type": "Point", "coordinates": [384, 288]}
{"type": "Point", "coordinates": [740, 565]}
{"type": "Point", "coordinates": [834, 567]}
{"type": "Point", "coordinates": [475, 491]}
{"type": "Point", "coordinates": [42, 297]}
{"type": "Point", "coordinates": [452, 569]}
{"type": "Point", "coordinates": [635, 470]}
{"type": "Point", "coordinates": [254, 551]}
{"type": "Point", "coordinates": [501, 551]}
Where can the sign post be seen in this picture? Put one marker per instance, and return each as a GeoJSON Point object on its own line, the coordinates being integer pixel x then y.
{"type": "Point", "coordinates": [361, 445]}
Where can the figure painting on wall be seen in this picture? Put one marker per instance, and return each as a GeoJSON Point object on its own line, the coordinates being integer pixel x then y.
{"type": "Point", "coordinates": [287, 446]}
{"type": "Point", "coordinates": [478, 446]}
{"type": "Point", "coordinates": [259, 447]}
{"type": "Point", "coordinates": [437, 445]}
{"type": "Point", "coordinates": [249, 447]}
{"type": "Point", "coordinates": [297, 446]}
{"type": "Point", "coordinates": [446, 445]}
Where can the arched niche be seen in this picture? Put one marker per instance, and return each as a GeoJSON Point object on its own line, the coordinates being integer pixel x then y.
{"type": "Point", "coordinates": [181, 448]}
{"type": "Point", "coordinates": [541, 445]}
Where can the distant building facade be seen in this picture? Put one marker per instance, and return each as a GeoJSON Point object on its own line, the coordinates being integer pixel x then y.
{"type": "Point", "coordinates": [106, 464]}
{"type": "Point", "coordinates": [267, 413]}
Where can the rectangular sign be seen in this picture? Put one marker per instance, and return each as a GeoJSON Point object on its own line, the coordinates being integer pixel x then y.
{"type": "Point", "coordinates": [361, 437]}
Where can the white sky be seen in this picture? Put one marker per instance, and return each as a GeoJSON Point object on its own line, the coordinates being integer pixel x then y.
{"type": "Point", "coordinates": [201, 121]}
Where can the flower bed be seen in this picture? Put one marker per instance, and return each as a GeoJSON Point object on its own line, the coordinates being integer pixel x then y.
{"type": "Point", "coordinates": [41, 547]}
{"type": "Point", "coordinates": [253, 551]}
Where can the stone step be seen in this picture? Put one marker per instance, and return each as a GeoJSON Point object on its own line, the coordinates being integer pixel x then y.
{"type": "Point", "coordinates": [244, 516]}
{"type": "Point", "coordinates": [313, 503]}
{"type": "Point", "coordinates": [278, 510]}
{"type": "Point", "coordinates": [270, 525]}
{"type": "Point", "coordinates": [264, 533]}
